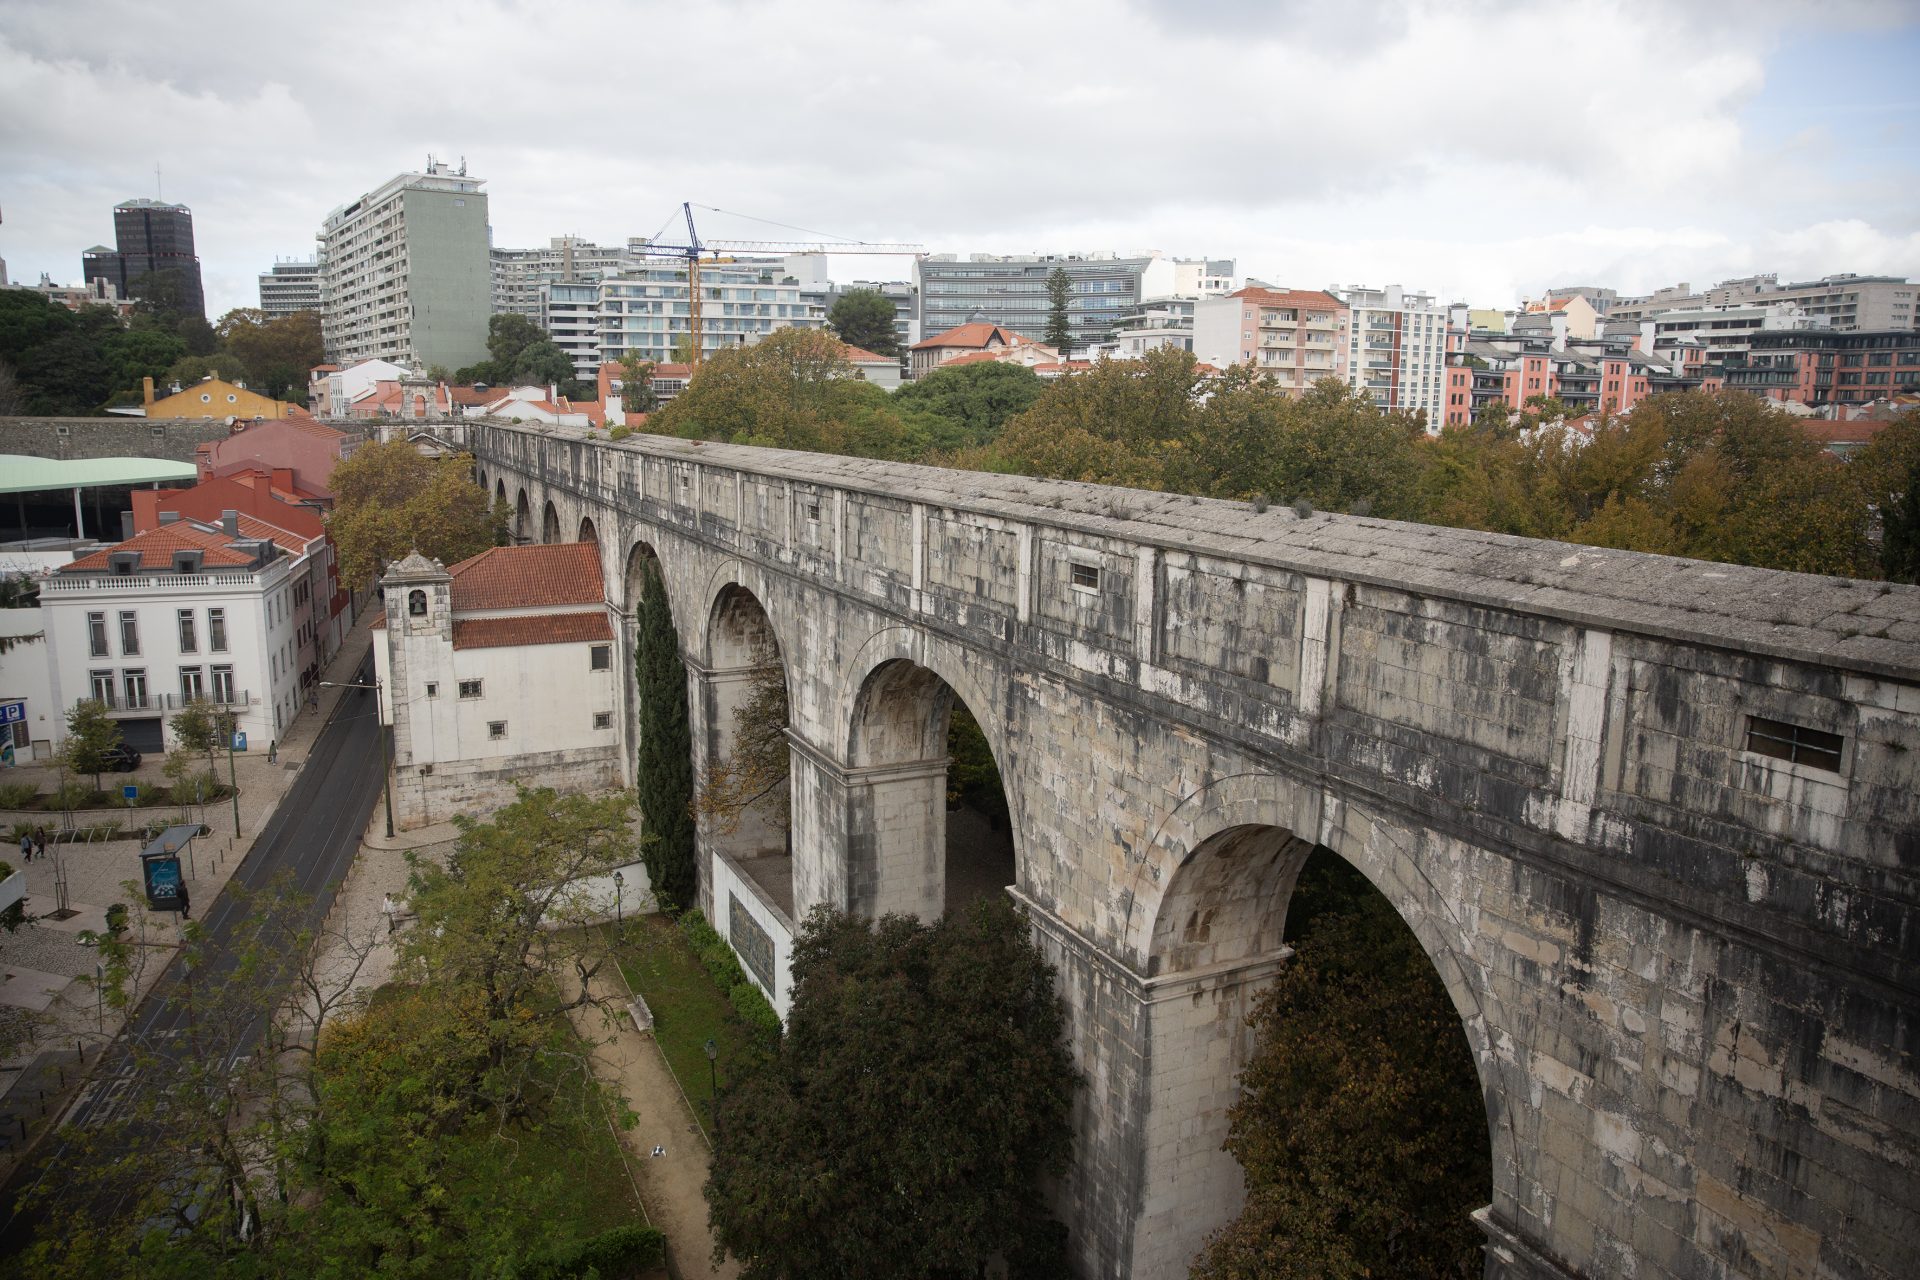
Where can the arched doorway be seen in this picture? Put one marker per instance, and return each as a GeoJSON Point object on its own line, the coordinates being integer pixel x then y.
{"type": "Point", "coordinates": [929, 829]}
{"type": "Point", "coordinates": [1255, 909]}
{"type": "Point", "coordinates": [500, 492]}
{"type": "Point", "coordinates": [744, 799]}
{"type": "Point", "coordinates": [523, 519]}
{"type": "Point", "coordinates": [550, 524]}
{"type": "Point", "coordinates": [586, 532]}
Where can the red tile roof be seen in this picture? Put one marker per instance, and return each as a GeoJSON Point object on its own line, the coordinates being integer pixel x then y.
{"type": "Point", "coordinates": [1290, 298]}
{"type": "Point", "coordinates": [542, 628]}
{"type": "Point", "coordinates": [976, 335]}
{"type": "Point", "coordinates": [156, 548]}
{"type": "Point", "coordinates": [528, 577]}
{"type": "Point", "coordinates": [859, 355]}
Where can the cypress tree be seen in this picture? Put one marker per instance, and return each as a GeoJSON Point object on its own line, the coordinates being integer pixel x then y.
{"type": "Point", "coordinates": [1059, 334]}
{"type": "Point", "coordinates": [665, 772]}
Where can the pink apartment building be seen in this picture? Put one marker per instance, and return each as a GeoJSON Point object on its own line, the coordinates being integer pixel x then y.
{"type": "Point", "coordinates": [1295, 336]}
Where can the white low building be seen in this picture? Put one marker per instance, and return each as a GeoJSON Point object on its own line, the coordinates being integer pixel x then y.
{"type": "Point", "coordinates": [188, 610]}
{"type": "Point", "coordinates": [496, 671]}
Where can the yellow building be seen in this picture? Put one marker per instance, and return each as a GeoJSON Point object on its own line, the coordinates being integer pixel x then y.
{"type": "Point", "coordinates": [212, 398]}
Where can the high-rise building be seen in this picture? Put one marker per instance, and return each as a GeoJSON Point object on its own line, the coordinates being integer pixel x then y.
{"type": "Point", "coordinates": [1295, 336]}
{"type": "Point", "coordinates": [406, 273]}
{"type": "Point", "coordinates": [1012, 291]}
{"type": "Point", "coordinates": [644, 312]}
{"type": "Point", "coordinates": [570, 313]}
{"type": "Point", "coordinates": [1396, 347]}
{"type": "Point", "coordinates": [290, 287]}
{"type": "Point", "coordinates": [150, 238]}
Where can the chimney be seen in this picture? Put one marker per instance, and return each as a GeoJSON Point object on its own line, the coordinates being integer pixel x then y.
{"type": "Point", "coordinates": [126, 525]}
{"type": "Point", "coordinates": [1559, 322]}
{"type": "Point", "coordinates": [230, 522]}
{"type": "Point", "coordinates": [146, 392]}
{"type": "Point", "coordinates": [169, 517]}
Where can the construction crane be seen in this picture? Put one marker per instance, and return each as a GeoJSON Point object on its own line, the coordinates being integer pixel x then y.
{"type": "Point", "coordinates": [694, 247]}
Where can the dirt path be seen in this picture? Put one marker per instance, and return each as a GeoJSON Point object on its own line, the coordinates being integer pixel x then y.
{"type": "Point", "coordinates": [670, 1183]}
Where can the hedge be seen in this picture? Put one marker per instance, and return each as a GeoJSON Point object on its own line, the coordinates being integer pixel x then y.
{"type": "Point", "coordinates": [717, 958]}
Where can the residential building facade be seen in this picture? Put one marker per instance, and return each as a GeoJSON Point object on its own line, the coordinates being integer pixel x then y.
{"type": "Point", "coordinates": [1396, 347]}
{"type": "Point", "coordinates": [1843, 302]}
{"type": "Point", "coordinates": [519, 274]}
{"type": "Point", "coordinates": [185, 611]}
{"type": "Point", "coordinates": [150, 237]}
{"type": "Point", "coordinates": [978, 340]}
{"type": "Point", "coordinates": [646, 311]}
{"type": "Point", "coordinates": [495, 671]}
{"type": "Point", "coordinates": [406, 272]}
{"type": "Point", "coordinates": [211, 398]}
{"type": "Point", "coordinates": [1295, 336]}
{"type": "Point", "coordinates": [1608, 374]}
{"type": "Point", "coordinates": [291, 287]}
{"type": "Point", "coordinates": [1726, 331]}
{"type": "Point", "coordinates": [570, 313]}
{"type": "Point", "coordinates": [1822, 367]}
{"type": "Point", "coordinates": [1155, 323]}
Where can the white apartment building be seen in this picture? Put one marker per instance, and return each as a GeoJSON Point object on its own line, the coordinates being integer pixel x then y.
{"type": "Point", "coordinates": [1397, 348]}
{"type": "Point", "coordinates": [332, 390]}
{"type": "Point", "coordinates": [406, 272]}
{"type": "Point", "coordinates": [645, 312]}
{"type": "Point", "coordinates": [1726, 330]}
{"type": "Point", "coordinates": [570, 313]}
{"type": "Point", "coordinates": [289, 288]}
{"type": "Point", "coordinates": [186, 610]}
{"type": "Point", "coordinates": [500, 669]}
{"type": "Point", "coordinates": [1156, 323]}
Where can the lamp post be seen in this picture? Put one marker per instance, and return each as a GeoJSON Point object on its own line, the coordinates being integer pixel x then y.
{"type": "Point", "coordinates": [233, 777]}
{"type": "Point", "coordinates": [713, 1082]}
{"type": "Point", "coordinates": [386, 746]}
{"type": "Point", "coordinates": [618, 918]}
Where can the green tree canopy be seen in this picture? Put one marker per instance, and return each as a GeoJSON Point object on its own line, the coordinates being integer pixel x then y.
{"type": "Point", "coordinates": [966, 407]}
{"type": "Point", "coordinates": [1360, 1123]}
{"type": "Point", "coordinates": [903, 1126]}
{"type": "Point", "coordinates": [389, 500]}
{"type": "Point", "coordinates": [1117, 423]}
{"type": "Point", "coordinates": [636, 385]}
{"type": "Point", "coordinates": [864, 318]}
{"type": "Point", "coordinates": [541, 364]}
{"type": "Point", "coordinates": [92, 735]}
{"type": "Point", "coordinates": [664, 775]}
{"type": "Point", "coordinates": [279, 352]}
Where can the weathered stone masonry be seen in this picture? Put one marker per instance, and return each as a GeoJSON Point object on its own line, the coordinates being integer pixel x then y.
{"type": "Point", "coordinates": [1688, 970]}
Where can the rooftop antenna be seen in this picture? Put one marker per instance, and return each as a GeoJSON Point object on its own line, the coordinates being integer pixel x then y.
{"type": "Point", "coordinates": [158, 191]}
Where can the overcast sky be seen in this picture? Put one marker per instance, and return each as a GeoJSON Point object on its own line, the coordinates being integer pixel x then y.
{"type": "Point", "coordinates": [1481, 151]}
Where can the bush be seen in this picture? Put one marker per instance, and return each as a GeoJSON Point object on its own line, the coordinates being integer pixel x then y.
{"type": "Point", "coordinates": [717, 958]}
{"type": "Point", "coordinates": [18, 795]}
{"type": "Point", "coordinates": [612, 1255]}
{"type": "Point", "coordinates": [70, 795]}
{"type": "Point", "coordinates": [619, 433]}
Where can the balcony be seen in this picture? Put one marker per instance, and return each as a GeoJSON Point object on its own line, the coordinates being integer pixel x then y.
{"type": "Point", "coordinates": [121, 705]}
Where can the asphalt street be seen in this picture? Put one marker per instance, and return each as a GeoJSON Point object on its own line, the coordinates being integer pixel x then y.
{"type": "Point", "coordinates": [311, 840]}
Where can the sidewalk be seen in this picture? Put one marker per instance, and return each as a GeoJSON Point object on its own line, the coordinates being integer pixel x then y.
{"type": "Point", "coordinates": [47, 974]}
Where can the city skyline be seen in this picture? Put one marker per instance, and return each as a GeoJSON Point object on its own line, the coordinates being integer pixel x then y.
{"type": "Point", "coordinates": [1451, 152]}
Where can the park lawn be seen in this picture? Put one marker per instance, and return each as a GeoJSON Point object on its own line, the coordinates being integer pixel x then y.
{"type": "Point", "coordinates": [687, 1007]}
{"type": "Point", "coordinates": [574, 1143]}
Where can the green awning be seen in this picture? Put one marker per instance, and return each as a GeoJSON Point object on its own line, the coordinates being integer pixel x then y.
{"type": "Point", "coordinates": [22, 474]}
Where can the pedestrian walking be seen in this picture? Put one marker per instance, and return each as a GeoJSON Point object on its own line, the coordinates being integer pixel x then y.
{"type": "Point", "coordinates": [388, 905]}
{"type": "Point", "coordinates": [39, 842]}
{"type": "Point", "coordinates": [186, 903]}
{"type": "Point", "coordinates": [273, 752]}
{"type": "Point", "coordinates": [26, 846]}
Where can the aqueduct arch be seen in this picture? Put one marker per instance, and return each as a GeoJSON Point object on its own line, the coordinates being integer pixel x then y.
{"type": "Point", "coordinates": [743, 661]}
{"type": "Point", "coordinates": [523, 518]}
{"type": "Point", "coordinates": [550, 523]}
{"type": "Point", "coordinates": [586, 532]}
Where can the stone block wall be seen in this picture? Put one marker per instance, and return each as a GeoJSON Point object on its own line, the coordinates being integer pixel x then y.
{"type": "Point", "coordinates": [173, 439]}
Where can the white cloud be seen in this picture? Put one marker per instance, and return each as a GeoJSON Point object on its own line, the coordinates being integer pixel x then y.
{"type": "Point", "coordinates": [1481, 149]}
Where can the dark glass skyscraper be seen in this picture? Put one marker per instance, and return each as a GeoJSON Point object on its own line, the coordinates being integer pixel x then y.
{"type": "Point", "coordinates": [150, 237]}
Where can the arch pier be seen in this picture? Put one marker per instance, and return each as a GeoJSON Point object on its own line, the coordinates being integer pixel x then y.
{"type": "Point", "coordinates": [1679, 950]}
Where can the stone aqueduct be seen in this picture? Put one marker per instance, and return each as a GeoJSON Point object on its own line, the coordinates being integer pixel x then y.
{"type": "Point", "coordinates": [1687, 968]}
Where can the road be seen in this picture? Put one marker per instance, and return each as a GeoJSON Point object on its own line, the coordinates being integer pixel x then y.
{"type": "Point", "coordinates": [312, 839]}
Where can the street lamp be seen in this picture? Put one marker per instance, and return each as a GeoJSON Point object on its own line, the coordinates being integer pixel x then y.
{"type": "Point", "coordinates": [713, 1082]}
{"type": "Point", "coordinates": [386, 746]}
{"type": "Point", "coordinates": [618, 918]}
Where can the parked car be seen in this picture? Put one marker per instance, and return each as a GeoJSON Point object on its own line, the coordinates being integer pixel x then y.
{"type": "Point", "coordinates": [123, 758]}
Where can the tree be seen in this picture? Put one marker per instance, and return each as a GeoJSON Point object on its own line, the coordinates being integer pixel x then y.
{"type": "Point", "coordinates": [664, 772]}
{"type": "Point", "coordinates": [904, 1123]}
{"type": "Point", "coordinates": [203, 728]}
{"type": "Point", "coordinates": [190, 369]}
{"type": "Point", "coordinates": [541, 364]}
{"type": "Point", "coordinates": [792, 390]}
{"type": "Point", "coordinates": [1059, 334]}
{"type": "Point", "coordinates": [967, 406]}
{"type": "Point", "coordinates": [757, 766]}
{"type": "Point", "coordinates": [864, 318]}
{"type": "Point", "coordinates": [1360, 1123]}
{"type": "Point", "coordinates": [389, 500]}
{"type": "Point", "coordinates": [1117, 423]}
{"type": "Point", "coordinates": [508, 334]}
{"type": "Point", "coordinates": [1890, 481]}
{"type": "Point", "coordinates": [92, 735]}
{"type": "Point", "coordinates": [637, 395]}
{"type": "Point", "coordinates": [279, 352]}
{"type": "Point", "coordinates": [134, 354]}
{"type": "Point", "coordinates": [11, 400]}
{"type": "Point", "coordinates": [65, 376]}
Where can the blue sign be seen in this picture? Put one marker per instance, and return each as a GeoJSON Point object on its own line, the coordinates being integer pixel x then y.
{"type": "Point", "coordinates": [239, 741]}
{"type": "Point", "coordinates": [13, 712]}
{"type": "Point", "coordinates": [131, 792]}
